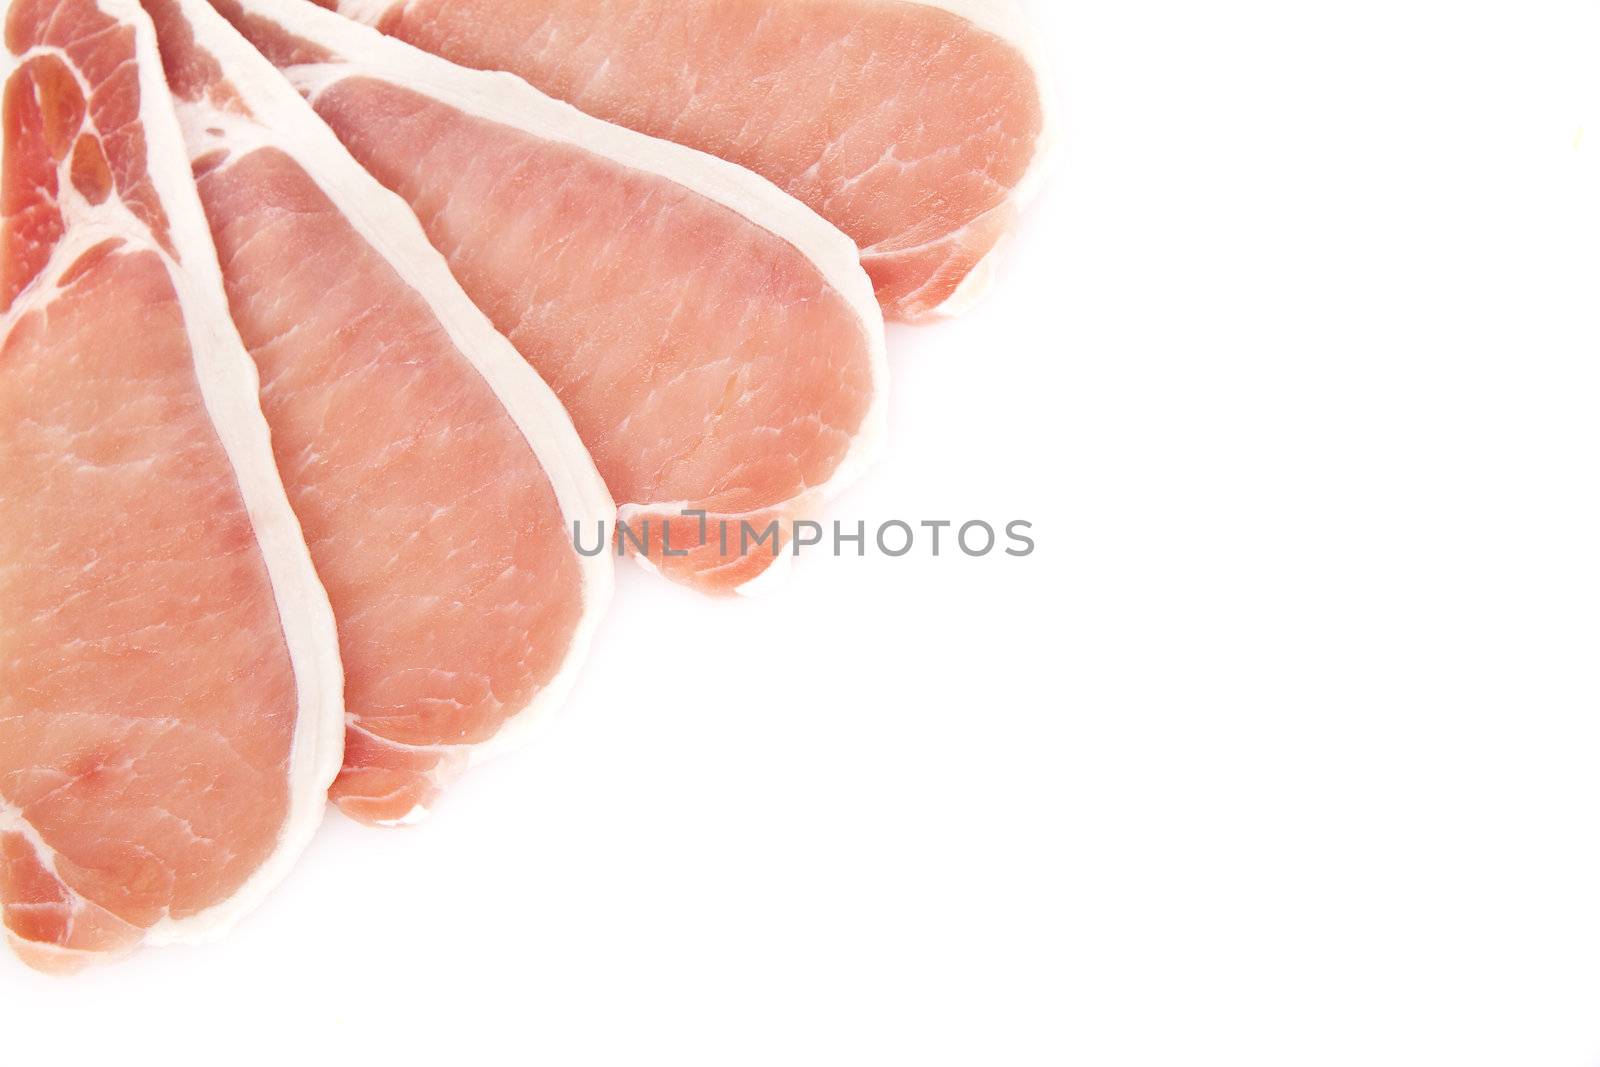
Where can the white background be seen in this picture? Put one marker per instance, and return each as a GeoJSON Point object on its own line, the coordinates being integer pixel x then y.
{"type": "Point", "coordinates": [1285, 747]}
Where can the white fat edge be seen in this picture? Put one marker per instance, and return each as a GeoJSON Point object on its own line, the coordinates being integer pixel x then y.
{"type": "Point", "coordinates": [230, 389]}
{"type": "Point", "coordinates": [284, 120]}
{"type": "Point", "coordinates": [507, 100]}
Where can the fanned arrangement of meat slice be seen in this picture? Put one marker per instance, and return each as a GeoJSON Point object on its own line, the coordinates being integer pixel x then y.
{"type": "Point", "coordinates": [287, 508]}
{"type": "Point", "coordinates": [716, 343]}
{"type": "Point", "coordinates": [170, 714]}
{"type": "Point", "coordinates": [918, 127]}
{"type": "Point", "coordinates": [437, 478]}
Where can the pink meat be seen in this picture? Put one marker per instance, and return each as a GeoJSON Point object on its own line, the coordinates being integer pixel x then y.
{"type": "Point", "coordinates": [149, 704]}
{"type": "Point", "coordinates": [908, 126]}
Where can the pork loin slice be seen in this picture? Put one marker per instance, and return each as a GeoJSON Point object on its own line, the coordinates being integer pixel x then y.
{"type": "Point", "coordinates": [918, 128]}
{"type": "Point", "coordinates": [170, 713]}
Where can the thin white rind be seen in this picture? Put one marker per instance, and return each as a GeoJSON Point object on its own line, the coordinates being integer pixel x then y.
{"type": "Point", "coordinates": [228, 386]}
{"type": "Point", "coordinates": [509, 101]}
{"type": "Point", "coordinates": [283, 120]}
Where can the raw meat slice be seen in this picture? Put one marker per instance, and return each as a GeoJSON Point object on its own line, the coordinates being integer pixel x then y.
{"type": "Point", "coordinates": [170, 713]}
{"type": "Point", "coordinates": [436, 476]}
{"type": "Point", "coordinates": [918, 128]}
{"type": "Point", "coordinates": [716, 343]}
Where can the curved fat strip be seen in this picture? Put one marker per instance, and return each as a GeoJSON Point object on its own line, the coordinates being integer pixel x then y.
{"type": "Point", "coordinates": [436, 476]}
{"type": "Point", "coordinates": [170, 713]}
{"type": "Point", "coordinates": [716, 343]}
{"type": "Point", "coordinates": [919, 129]}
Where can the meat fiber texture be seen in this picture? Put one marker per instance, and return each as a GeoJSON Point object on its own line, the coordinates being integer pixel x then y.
{"type": "Point", "coordinates": [918, 128]}
{"type": "Point", "coordinates": [716, 342]}
{"type": "Point", "coordinates": [437, 477]}
{"type": "Point", "coordinates": [170, 712]}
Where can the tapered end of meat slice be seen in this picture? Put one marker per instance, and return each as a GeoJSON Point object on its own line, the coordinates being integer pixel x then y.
{"type": "Point", "coordinates": [384, 784]}
{"type": "Point", "coordinates": [717, 552]}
